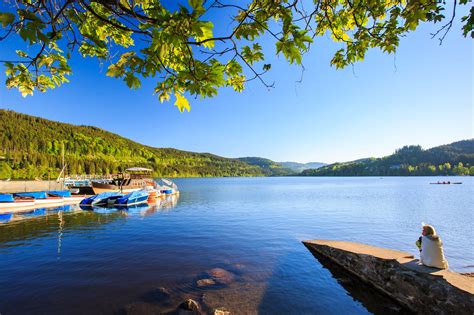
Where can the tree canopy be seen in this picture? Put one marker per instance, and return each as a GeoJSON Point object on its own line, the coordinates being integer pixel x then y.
{"type": "Point", "coordinates": [31, 148]}
{"type": "Point", "coordinates": [193, 48]}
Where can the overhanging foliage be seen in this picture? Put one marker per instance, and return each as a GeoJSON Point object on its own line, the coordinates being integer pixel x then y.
{"type": "Point", "coordinates": [178, 45]}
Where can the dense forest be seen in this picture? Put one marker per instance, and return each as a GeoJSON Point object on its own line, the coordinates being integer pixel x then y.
{"type": "Point", "coordinates": [269, 167]}
{"type": "Point", "coordinates": [31, 148]}
{"type": "Point", "coordinates": [299, 167]}
{"type": "Point", "coordinates": [453, 159]}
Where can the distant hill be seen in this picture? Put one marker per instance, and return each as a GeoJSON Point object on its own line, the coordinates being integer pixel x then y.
{"type": "Point", "coordinates": [30, 147]}
{"type": "Point", "coordinates": [272, 168]}
{"type": "Point", "coordinates": [456, 158]}
{"type": "Point", "coordinates": [299, 167]}
{"type": "Point", "coordinates": [269, 167]}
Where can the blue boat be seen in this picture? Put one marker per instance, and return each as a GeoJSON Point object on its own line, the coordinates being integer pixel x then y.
{"type": "Point", "coordinates": [7, 201]}
{"type": "Point", "coordinates": [5, 217]}
{"type": "Point", "coordinates": [6, 198]}
{"type": "Point", "coordinates": [60, 193]}
{"type": "Point", "coordinates": [100, 199]}
{"type": "Point", "coordinates": [33, 194]}
{"type": "Point", "coordinates": [133, 198]}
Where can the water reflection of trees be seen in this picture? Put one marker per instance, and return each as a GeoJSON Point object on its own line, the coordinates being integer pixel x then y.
{"type": "Point", "coordinates": [44, 222]}
{"type": "Point", "coordinates": [24, 227]}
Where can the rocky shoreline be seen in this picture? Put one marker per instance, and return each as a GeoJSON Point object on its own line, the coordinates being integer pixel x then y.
{"type": "Point", "coordinates": [398, 275]}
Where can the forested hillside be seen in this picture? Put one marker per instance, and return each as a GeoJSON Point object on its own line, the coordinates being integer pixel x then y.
{"type": "Point", "coordinates": [299, 167]}
{"type": "Point", "coordinates": [31, 147]}
{"type": "Point", "coordinates": [452, 159]}
{"type": "Point", "coordinates": [269, 167]}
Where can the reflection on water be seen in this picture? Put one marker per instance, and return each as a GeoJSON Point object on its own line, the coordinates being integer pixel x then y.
{"type": "Point", "coordinates": [228, 242]}
{"type": "Point", "coordinates": [43, 222]}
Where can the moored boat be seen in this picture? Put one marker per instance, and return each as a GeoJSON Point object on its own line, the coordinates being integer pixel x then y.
{"type": "Point", "coordinates": [153, 194]}
{"type": "Point", "coordinates": [9, 202]}
{"type": "Point", "coordinates": [168, 188]}
{"type": "Point", "coordinates": [73, 199]}
{"type": "Point", "coordinates": [133, 198]}
{"type": "Point", "coordinates": [100, 199]}
{"type": "Point", "coordinates": [66, 194]}
{"type": "Point", "coordinates": [59, 193]}
{"type": "Point", "coordinates": [42, 198]}
{"type": "Point", "coordinates": [5, 217]}
{"type": "Point", "coordinates": [136, 179]}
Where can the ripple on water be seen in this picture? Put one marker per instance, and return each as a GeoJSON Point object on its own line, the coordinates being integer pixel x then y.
{"type": "Point", "coordinates": [244, 234]}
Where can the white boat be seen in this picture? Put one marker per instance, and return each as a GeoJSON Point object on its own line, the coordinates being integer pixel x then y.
{"type": "Point", "coordinates": [16, 205]}
{"type": "Point", "coordinates": [73, 199]}
{"type": "Point", "coordinates": [9, 203]}
{"type": "Point", "coordinates": [169, 188]}
{"type": "Point", "coordinates": [50, 201]}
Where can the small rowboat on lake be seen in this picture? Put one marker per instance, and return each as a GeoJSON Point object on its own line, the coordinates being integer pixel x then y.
{"type": "Point", "coordinates": [66, 194]}
{"type": "Point", "coordinates": [42, 198]}
{"type": "Point", "coordinates": [8, 202]}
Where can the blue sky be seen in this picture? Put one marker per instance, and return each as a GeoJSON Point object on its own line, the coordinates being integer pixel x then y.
{"type": "Point", "coordinates": [422, 95]}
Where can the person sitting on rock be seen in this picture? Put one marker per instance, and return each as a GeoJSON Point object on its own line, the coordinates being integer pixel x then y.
{"type": "Point", "coordinates": [431, 248]}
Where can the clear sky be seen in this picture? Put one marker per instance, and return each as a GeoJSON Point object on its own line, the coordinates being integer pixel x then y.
{"type": "Point", "coordinates": [422, 95]}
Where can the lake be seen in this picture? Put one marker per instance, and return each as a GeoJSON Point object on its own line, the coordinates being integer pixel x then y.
{"type": "Point", "coordinates": [248, 231]}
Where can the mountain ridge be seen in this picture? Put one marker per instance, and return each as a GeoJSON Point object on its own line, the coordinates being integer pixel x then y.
{"type": "Point", "coordinates": [31, 148]}
{"type": "Point", "coordinates": [456, 158]}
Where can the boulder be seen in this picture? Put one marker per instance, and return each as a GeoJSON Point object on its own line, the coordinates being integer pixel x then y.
{"type": "Point", "coordinates": [221, 311]}
{"type": "Point", "coordinates": [221, 276]}
{"type": "Point", "coordinates": [190, 305]}
{"type": "Point", "coordinates": [205, 282]}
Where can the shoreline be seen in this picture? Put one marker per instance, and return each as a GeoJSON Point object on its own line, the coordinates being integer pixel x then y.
{"type": "Point", "coordinates": [399, 276]}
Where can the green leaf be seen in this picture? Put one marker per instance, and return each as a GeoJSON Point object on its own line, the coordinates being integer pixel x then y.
{"type": "Point", "coordinates": [164, 97]}
{"type": "Point", "coordinates": [132, 81]}
{"type": "Point", "coordinates": [195, 4]}
{"type": "Point", "coordinates": [205, 30]}
{"type": "Point", "coordinates": [6, 18]}
{"type": "Point", "coordinates": [181, 102]}
{"type": "Point", "coordinates": [21, 53]}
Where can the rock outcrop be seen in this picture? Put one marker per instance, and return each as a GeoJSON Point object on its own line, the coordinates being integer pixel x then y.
{"type": "Point", "coordinates": [397, 274]}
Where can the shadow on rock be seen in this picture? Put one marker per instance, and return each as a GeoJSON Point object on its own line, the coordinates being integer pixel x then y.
{"type": "Point", "coordinates": [372, 299]}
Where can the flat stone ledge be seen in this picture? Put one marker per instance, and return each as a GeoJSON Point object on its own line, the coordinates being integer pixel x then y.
{"type": "Point", "coordinates": [399, 275]}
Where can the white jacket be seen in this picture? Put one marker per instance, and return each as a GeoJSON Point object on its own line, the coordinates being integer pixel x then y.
{"type": "Point", "coordinates": [432, 254]}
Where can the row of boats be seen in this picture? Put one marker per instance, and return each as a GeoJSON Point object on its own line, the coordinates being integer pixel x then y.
{"type": "Point", "coordinates": [117, 199]}
{"type": "Point", "coordinates": [37, 198]}
{"type": "Point", "coordinates": [114, 194]}
{"type": "Point", "coordinates": [142, 209]}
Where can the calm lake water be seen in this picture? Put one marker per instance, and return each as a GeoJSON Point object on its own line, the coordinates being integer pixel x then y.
{"type": "Point", "coordinates": [149, 259]}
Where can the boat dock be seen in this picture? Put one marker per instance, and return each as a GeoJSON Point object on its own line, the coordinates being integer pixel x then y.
{"type": "Point", "coordinates": [15, 186]}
